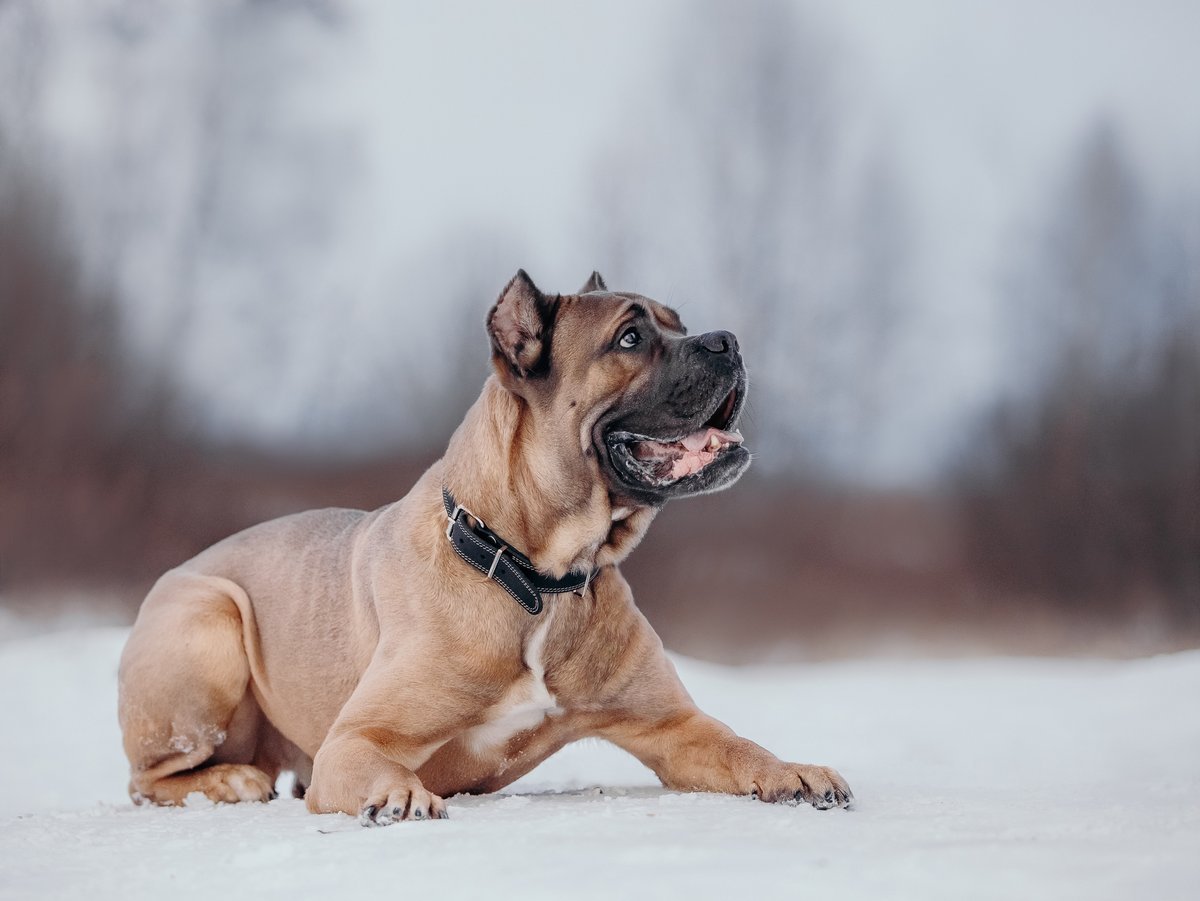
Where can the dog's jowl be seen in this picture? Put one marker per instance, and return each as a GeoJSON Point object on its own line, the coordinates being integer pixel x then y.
{"type": "Point", "coordinates": [452, 640]}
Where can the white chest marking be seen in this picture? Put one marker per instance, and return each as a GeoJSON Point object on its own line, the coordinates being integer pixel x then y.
{"type": "Point", "coordinates": [524, 705]}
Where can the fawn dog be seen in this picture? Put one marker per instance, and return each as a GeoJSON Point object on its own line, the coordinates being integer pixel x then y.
{"type": "Point", "coordinates": [452, 640]}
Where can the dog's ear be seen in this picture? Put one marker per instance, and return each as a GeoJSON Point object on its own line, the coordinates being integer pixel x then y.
{"type": "Point", "coordinates": [519, 326]}
{"type": "Point", "coordinates": [595, 282]}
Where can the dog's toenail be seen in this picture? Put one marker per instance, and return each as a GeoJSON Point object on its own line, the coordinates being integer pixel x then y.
{"type": "Point", "coordinates": [418, 814]}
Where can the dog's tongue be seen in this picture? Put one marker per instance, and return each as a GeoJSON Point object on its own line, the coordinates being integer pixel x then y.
{"type": "Point", "coordinates": [703, 439]}
{"type": "Point", "coordinates": [688, 455]}
{"type": "Point", "coordinates": [699, 449]}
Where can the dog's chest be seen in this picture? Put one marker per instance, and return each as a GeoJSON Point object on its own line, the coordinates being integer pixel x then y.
{"type": "Point", "coordinates": [525, 705]}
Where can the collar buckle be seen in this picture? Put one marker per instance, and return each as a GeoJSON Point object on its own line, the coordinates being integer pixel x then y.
{"type": "Point", "coordinates": [483, 549]}
{"type": "Point", "coordinates": [459, 509]}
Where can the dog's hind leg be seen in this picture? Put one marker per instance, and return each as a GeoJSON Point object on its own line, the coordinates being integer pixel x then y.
{"type": "Point", "coordinates": [189, 724]}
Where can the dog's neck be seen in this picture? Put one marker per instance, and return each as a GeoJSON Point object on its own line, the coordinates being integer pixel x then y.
{"type": "Point", "coordinates": [541, 494]}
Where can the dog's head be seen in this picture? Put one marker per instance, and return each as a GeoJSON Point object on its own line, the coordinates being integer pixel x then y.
{"type": "Point", "coordinates": [616, 382]}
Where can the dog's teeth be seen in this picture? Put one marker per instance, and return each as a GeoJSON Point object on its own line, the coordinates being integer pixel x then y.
{"type": "Point", "coordinates": [714, 442]}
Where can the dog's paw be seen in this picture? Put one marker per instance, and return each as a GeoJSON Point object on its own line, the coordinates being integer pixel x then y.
{"type": "Point", "coordinates": [402, 802]}
{"type": "Point", "coordinates": [793, 783]}
{"type": "Point", "coordinates": [229, 783]}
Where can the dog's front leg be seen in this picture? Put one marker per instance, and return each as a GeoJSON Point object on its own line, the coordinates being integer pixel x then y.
{"type": "Point", "coordinates": [354, 772]}
{"type": "Point", "coordinates": [366, 764]}
{"type": "Point", "coordinates": [654, 719]}
{"type": "Point", "coordinates": [690, 751]}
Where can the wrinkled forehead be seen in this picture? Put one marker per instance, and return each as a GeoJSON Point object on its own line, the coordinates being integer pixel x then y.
{"type": "Point", "coordinates": [598, 313]}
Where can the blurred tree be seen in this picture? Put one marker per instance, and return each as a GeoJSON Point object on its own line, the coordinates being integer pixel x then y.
{"type": "Point", "coordinates": [217, 191]}
{"type": "Point", "coordinates": [414, 388]}
{"type": "Point", "coordinates": [1084, 313]}
{"type": "Point", "coordinates": [23, 39]}
{"type": "Point", "coordinates": [776, 214]}
{"type": "Point", "coordinates": [204, 185]}
{"type": "Point", "coordinates": [1088, 485]}
{"type": "Point", "coordinates": [62, 416]}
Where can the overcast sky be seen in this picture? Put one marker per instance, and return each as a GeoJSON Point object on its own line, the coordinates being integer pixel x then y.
{"type": "Point", "coordinates": [984, 102]}
{"type": "Point", "coordinates": [482, 115]}
{"type": "Point", "coordinates": [986, 98]}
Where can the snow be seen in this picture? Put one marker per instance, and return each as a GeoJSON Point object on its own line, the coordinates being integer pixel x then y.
{"type": "Point", "coordinates": [988, 778]}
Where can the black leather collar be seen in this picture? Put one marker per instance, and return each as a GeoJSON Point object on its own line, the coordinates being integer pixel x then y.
{"type": "Point", "coordinates": [492, 555]}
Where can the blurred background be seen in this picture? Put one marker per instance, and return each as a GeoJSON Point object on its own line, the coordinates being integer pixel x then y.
{"type": "Point", "coordinates": [247, 246]}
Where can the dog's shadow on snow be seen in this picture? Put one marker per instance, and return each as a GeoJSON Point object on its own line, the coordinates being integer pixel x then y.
{"type": "Point", "coordinates": [505, 803]}
{"type": "Point", "coordinates": [550, 795]}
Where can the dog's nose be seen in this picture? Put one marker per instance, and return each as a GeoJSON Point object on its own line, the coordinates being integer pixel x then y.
{"type": "Point", "coordinates": [719, 342]}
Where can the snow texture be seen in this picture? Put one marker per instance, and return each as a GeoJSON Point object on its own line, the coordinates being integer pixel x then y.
{"type": "Point", "coordinates": [978, 779]}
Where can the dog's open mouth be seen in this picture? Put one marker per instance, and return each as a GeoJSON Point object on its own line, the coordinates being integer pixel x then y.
{"type": "Point", "coordinates": [659, 462]}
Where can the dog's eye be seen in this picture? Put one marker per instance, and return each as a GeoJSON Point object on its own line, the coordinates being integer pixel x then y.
{"type": "Point", "coordinates": [629, 338]}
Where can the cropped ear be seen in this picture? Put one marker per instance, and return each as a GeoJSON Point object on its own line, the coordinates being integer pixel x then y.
{"type": "Point", "coordinates": [519, 326]}
{"type": "Point", "coordinates": [595, 282]}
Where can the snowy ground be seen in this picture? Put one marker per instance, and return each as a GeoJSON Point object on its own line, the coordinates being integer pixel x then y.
{"type": "Point", "coordinates": [975, 779]}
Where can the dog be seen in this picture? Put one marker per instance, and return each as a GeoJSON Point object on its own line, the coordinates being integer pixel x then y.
{"type": "Point", "coordinates": [451, 641]}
